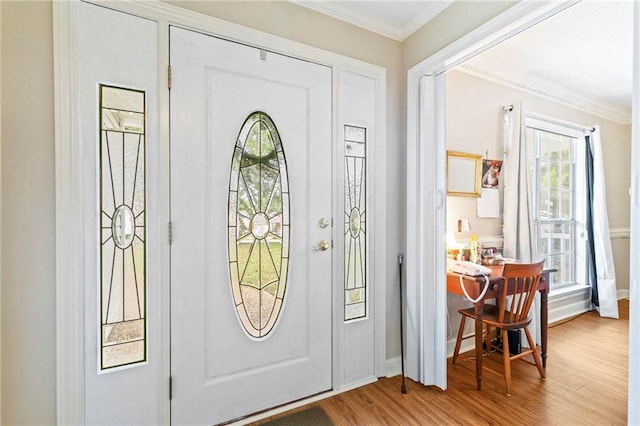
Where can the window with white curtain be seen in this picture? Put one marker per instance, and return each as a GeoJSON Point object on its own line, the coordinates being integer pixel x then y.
{"type": "Point", "coordinates": [557, 170]}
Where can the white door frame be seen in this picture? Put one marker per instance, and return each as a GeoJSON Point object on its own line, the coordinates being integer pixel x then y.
{"type": "Point", "coordinates": [427, 298]}
{"type": "Point", "coordinates": [69, 254]}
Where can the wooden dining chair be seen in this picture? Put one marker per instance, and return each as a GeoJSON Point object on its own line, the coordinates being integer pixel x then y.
{"type": "Point", "coordinates": [511, 312]}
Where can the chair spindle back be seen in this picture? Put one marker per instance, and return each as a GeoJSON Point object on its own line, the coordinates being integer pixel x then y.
{"type": "Point", "coordinates": [521, 282]}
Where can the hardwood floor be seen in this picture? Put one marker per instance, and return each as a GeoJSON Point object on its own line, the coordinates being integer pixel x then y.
{"type": "Point", "coordinates": [586, 384]}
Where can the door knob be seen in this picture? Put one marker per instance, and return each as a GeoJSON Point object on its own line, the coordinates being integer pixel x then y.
{"type": "Point", "coordinates": [323, 222]}
{"type": "Point", "coordinates": [322, 246]}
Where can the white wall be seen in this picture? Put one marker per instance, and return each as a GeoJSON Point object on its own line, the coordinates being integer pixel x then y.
{"type": "Point", "coordinates": [475, 125]}
{"type": "Point", "coordinates": [28, 216]}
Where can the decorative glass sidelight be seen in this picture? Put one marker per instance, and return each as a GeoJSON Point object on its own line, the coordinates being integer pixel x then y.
{"type": "Point", "coordinates": [122, 227]}
{"type": "Point", "coordinates": [258, 225]}
{"type": "Point", "coordinates": [355, 219]}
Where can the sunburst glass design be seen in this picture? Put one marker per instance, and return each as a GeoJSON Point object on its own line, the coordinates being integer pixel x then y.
{"type": "Point", "coordinates": [122, 227]}
{"type": "Point", "coordinates": [355, 220]}
{"type": "Point", "coordinates": [258, 225]}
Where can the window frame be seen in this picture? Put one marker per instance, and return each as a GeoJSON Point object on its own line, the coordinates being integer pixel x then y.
{"type": "Point", "coordinates": [350, 314]}
{"type": "Point", "coordinates": [577, 132]}
{"type": "Point", "coordinates": [106, 362]}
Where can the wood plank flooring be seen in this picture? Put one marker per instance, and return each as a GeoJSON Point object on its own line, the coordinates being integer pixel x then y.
{"type": "Point", "coordinates": [586, 384]}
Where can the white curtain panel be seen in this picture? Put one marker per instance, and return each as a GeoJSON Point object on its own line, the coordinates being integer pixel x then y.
{"type": "Point", "coordinates": [605, 271]}
{"type": "Point", "coordinates": [518, 201]}
{"type": "Point", "coordinates": [519, 240]}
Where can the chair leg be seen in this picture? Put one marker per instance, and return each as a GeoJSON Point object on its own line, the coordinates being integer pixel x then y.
{"type": "Point", "coordinates": [487, 340]}
{"type": "Point", "coordinates": [506, 356]}
{"type": "Point", "coordinates": [459, 339]}
{"type": "Point", "coordinates": [536, 355]}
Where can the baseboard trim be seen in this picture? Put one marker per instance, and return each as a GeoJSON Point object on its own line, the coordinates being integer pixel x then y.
{"type": "Point", "coordinates": [623, 293]}
{"type": "Point", "coordinates": [465, 346]}
{"type": "Point", "coordinates": [566, 312]}
{"type": "Point", "coordinates": [569, 306]}
{"type": "Point", "coordinates": [393, 367]}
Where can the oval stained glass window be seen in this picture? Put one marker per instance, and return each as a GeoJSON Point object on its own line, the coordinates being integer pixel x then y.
{"type": "Point", "coordinates": [258, 225]}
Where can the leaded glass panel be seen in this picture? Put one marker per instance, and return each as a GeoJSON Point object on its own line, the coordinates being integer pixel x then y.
{"type": "Point", "coordinates": [355, 238]}
{"type": "Point", "coordinates": [122, 227]}
{"type": "Point", "coordinates": [258, 225]}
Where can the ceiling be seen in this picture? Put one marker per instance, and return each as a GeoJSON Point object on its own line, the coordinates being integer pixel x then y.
{"type": "Point", "coordinates": [581, 56]}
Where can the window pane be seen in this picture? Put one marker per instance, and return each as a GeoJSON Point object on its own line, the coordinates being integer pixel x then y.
{"type": "Point", "coordinates": [553, 183]}
{"type": "Point", "coordinates": [122, 226]}
{"type": "Point", "coordinates": [258, 225]}
{"type": "Point", "coordinates": [355, 238]}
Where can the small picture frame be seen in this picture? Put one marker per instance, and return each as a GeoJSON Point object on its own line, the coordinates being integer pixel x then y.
{"type": "Point", "coordinates": [491, 173]}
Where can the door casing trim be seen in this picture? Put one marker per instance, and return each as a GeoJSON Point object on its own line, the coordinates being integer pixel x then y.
{"type": "Point", "coordinates": [70, 265]}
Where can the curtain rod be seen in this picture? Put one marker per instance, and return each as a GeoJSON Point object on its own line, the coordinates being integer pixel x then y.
{"type": "Point", "coordinates": [507, 108]}
{"type": "Point", "coordinates": [560, 122]}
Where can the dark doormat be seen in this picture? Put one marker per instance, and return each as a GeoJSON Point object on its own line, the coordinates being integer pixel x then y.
{"type": "Point", "coordinates": [314, 416]}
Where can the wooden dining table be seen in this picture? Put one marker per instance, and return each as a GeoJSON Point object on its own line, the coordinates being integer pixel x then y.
{"type": "Point", "coordinates": [474, 286]}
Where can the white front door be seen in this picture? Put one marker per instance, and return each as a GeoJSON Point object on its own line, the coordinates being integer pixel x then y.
{"type": "Point", "coordinates": [250, 181]}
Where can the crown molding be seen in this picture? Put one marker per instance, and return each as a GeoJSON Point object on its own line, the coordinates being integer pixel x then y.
{"type": "Point", "coordinates": [339, 11]}
{"type": "Point", "coordinates": [548, 90]}
{"type": "Point", "coordinates": [379, 26]}
{"type": "Point", "coordinates": [428, 13]}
